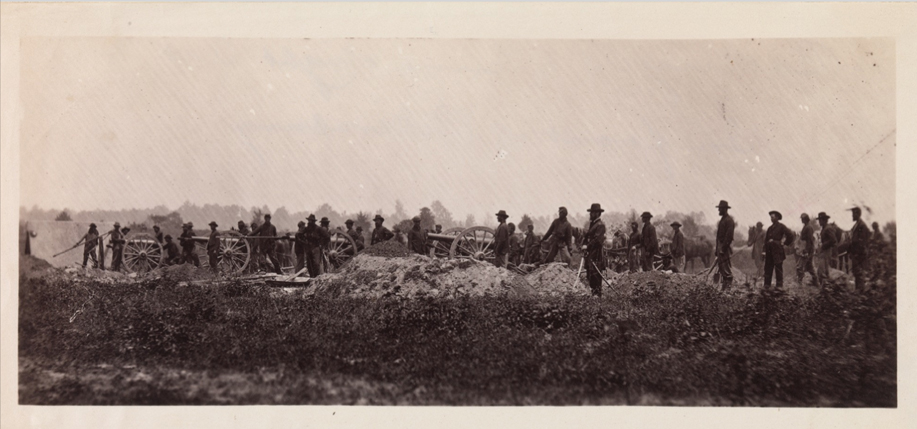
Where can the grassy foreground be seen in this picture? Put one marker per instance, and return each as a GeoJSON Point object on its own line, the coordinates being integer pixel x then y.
{"type": "Point", "coordinates": [648, 342]}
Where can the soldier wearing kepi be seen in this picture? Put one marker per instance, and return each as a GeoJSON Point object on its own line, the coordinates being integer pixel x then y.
{"type": "Point", "coordinates": [593, 243]}
{"type": "Point", "coordinates": [213, 248]}
{"type": "Point", "coordinates": [268, 247]}
{"type": "Point", "coordinates": [562, 234]}
{"type": "Point", "coordinates": [417, 238]}
{"type": "Point", "coordinates": [380, 233]}
{"type": "Point", "coordinates": [649, 241]}
{"type": "Point", "coordinates": [91, 239]}
{"type": "Point", "coordinates": [804, 259]}
{"type": "Point", "coordinates": [828, 246]}
{"type": "Point", "coordinates": [187, 245]}
{"type": "Point", "coordinates": [117, 247]}
{"type": "Point", "coordinates": [857, 249]}
{"type": "Point", "coordinates": [678, 248]}
{"type": "Point", "coordinates": [725, 231]}
{"type": "Point", "coordinates": [501, 240]}
{"type": "Point", "coordinates": [776, 237]}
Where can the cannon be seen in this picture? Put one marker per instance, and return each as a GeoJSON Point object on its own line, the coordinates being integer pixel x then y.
{"type": "Point", "coordinates": [476, 243]}
{"type": "Point", "coordinates": [142, 253]}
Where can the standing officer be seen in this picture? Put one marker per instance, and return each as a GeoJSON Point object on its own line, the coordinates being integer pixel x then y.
{"type": "Point", "coordinates": [725, 231]}
{"type": "Point", "coordinates": [804, 259]}
{"type": "Point", "coordinates": [649, 241]}
{"type": "Point", "coordinates": [776, 237]}
{"type": "Point", "coordinates": [593, 244]}
{"type": "Point", "coordinates": [562, 233]}
{"type": "Point", "coordinates": [213, 248]}
{"type": "Point", "coordinates": [417, 238]}
{"type": "Point", "coordinates": [857, 249]}
{"type": "Point", "coordinates": [187, 245]}
{"type": "Point", "coordinates": [268, 247]}
{"type": "Point", "coordinates": [678, 248]}
{"type": "Point", "coordinates": [380, 233]}
{"type": "Point", "coordinates": [828, 246]}
{"type": "Point", "coordinates": [172, 254]}
{"type": "Point", "coordinates": [501, 240]}
{"type": "Point", "coordinates": [91, 239]}
{"type": "Point", "coordinates": [315, 239]}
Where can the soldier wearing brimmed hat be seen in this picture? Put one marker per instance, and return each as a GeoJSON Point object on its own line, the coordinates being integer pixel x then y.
{"type": "Point", "coordinates": [116, 240]}
{"type": "Point", "coordinates": [380, 233]}
{"type": "Point", "coordinates": [186, 241]}
{"type": "Point", "coordinates": [775, 239]}
{"type": "Point", "coordinates": [649, 241]}
{"type": "Point", "coordinates": [857, 249]}
{"type": "Point", "coordinates": [827, 248]}
{"type": "Point", "coordinates": [593, 245]}
{"type": "Point", "coordinates": [268, 247]}
{"type": "Point", "coordinates": [561, 232]}
{"type": "Point", "coordinates": [417, 237]}
{"type": "Point", "coordinates": [678, 247]}
{"type": "Point", "coordinates": [501, 240]}
{"type": "Point", "coordinates": [725, 232]}
{"type": "Point", "coordinates": [806, 254]}
{"type": "Point", "coordinates": [91, 239]}
{"type": "Point", "coordinates": [314, 240]}
{"type": "Point", "coordinates": [213, 248]}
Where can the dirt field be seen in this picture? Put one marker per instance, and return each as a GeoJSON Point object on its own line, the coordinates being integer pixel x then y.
{"type": "Point", "coordinates": [652, 339]}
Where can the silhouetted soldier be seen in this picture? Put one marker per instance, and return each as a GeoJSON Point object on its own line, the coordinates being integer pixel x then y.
{"type": "Point", "coordinates": [380, 233]}
{"type": "Point", "coordinates": [356, 236]}
{"type": "Point", "coordinates": [530, 246]}
{"type": "Point", "coordinates": [678, 248]}
{"type": "Point", "coordinates": [157, 233]}
{"type": "Point", "coordinates": [299, 246]}
{"type": "Point", "coordinates": [213, 248]}
{"type": "Point", "coordinates": [501, 240]}
{"type": "Point", "coordinates": [649, 241]}
{"type": "Point", "coordinates": [172, 253]}
{"type": "Point", "coordinates": [91, 239]}
{"type": "Point", "coordinates": [268, 247]}
{"type": "Point", "coordinates": [827, 248]}
{"type": "Point", "coordinates": [515, 247]}
{"type": "Point", "coordinates": [725, 232]}
{"type": "Point", "coordinates": [417, 238]}
{"type": "Point", "coordinates": [116, 239]}
{"type": "Point", "coordinates": [635, 244]}
{"type": "Point", "coordinates": [857, 250]}
{"type": "Point", "coordinates": [187, 245]}
{"type": "Point", "coordinates": [593, 245]}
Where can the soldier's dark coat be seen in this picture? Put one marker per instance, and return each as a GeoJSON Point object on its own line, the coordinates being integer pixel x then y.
{"type": "Point", "coordinates": [417, 240]}
{"type": "Point", "coordinates": [649, 240]}
{"type": "Point", "coordinates": [381, 234]}
{"type": "Point", "coordinates": [781, 236]}
{"type": "Point", "coordinates": [678, 244]}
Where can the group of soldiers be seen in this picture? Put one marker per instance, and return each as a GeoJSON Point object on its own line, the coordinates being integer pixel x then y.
{"type": "Point", "coordinates": [768, 247]}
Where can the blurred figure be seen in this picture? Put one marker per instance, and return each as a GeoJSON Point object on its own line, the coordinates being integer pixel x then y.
{"type": "Point", "coordinates": [530, 246]}
{"type": "Point", "coordinates": [678, 248]}
{"type": "Point", "coordinates": [354, 234]}
{"type": "Point", "coordinates": [857, 249]}
{"type": "Point", "coordinates": [561, 232]}
{"type": "Point", "coordinates": [635, 244]}
{"type": "Point", "coordinates": [756, 242]}
{"type": "Point", "coordinates": [243, 228]}
{"type": "Point", "coordinates": [268, 247]}
{"type": "Point", "coordinates": [515, 247]}
{"type": "Point", "coordinates": [417, 238]}
{"type": "Point", "coordinates": [157, 233]}
{"type": "Point", "coordinates": [827, 248]}
{"type": "Point", "coordinates": [804, 262]}
{"type": "Point", "coordinates": [187, 245]}
{"type": "Point", "coordinates": [380, 233]}
{"type": "Point", "coordinates": [299, 247]}
{"type": "Point", "coordinates": [774, 252]}
{"type": "Point", "coordinates": [171, 249]}
{"type": "Point", "coordinates": [315, 239]}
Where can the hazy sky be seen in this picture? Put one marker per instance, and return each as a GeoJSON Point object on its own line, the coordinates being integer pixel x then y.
{"type": "Point", "coordinates": [481, 125]}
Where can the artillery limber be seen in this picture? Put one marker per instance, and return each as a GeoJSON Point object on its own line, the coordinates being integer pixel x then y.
{"type": "Point", "coordinates": [142, 253]}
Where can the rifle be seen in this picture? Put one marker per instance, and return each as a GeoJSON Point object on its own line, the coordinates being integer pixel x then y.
{"type": "Point", "coordinates": [77, 245]}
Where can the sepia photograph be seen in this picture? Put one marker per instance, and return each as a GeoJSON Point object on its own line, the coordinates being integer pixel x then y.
{"type": "Point", "coordinates": [457, 221]}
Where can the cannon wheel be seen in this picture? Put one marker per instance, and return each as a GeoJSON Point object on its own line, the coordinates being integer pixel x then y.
{"type": "Point", "coordinates": [441, 249]}
{"type": "Point", "coordinates": [142, 253]}
{"type": "Point", "coordinates": [659, 259]}
{"type": "Point", "coordinates": [476, 242]}
{"type": "Point", "coordinates": [341, 249]}
{"type": "Point", "coordinates": [235, 252]}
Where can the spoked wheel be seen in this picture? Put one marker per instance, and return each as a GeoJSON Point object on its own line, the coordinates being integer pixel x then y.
{"type": "Point", "coordinates": [474, 243]}
{"type": "Point", "coordinates": [142, 253]}
{"type": "Point", "coordinates": [441, 248]}
{"type": "Point", "coordinates": [235, 252]}
{"type": "Point", "coordinates": [341, 249]}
